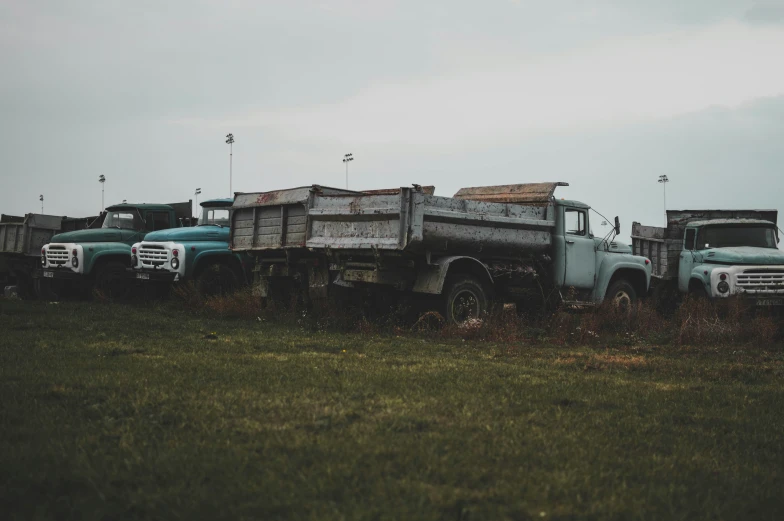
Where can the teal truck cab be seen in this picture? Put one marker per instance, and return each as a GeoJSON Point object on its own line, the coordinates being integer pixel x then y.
{"type": "Point", "coordinates": [98, 258]}
{"type": "Point", "coordinates": [716, 254]}
{"type": "Point", "coordinates": [200, 254]}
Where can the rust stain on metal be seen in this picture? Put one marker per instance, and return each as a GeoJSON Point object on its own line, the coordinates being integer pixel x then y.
{"type": "Point", "coordinates": [520, 193]}
{"type": "Point", "coordinates": [427, 190]}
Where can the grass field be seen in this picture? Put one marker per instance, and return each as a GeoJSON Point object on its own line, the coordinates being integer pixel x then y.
{"type": "Point", "coordinates": [133, 412]}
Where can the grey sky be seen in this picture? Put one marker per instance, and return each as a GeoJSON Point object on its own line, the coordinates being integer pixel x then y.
{"type": "Point", "coordinates": [604, 95]}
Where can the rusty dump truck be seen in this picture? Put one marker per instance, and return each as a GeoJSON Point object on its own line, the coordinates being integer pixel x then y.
{"type": "Point", "coordinates": [512, 243]}
{"type": "Point", "coordinates": [714, 254]}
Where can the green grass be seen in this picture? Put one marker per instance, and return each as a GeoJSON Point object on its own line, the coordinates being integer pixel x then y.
{"type": "Point", "coordinates": [127, 412]}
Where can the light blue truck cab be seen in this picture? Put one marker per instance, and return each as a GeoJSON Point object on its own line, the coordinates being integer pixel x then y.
{"type": "Point", "coordinates": [81, 260]}
{"type": "Point", "coordinates": [594, 269]}
{"type": "Point", "coordinates": [717, 254]}
{"type": "Point", "coordinates": [200, 254]}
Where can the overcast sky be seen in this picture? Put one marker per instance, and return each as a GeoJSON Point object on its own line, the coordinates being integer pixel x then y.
{"type": "Point", "coordinates": [605, 95]}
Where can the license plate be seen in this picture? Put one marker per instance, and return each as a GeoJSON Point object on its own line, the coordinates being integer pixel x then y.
{"type": "Point", "coordinates": [770, 302]}
{"type": "Point", "coordinates": [143, 276]}
{"type": "Point", "coordinates": [49, 274]}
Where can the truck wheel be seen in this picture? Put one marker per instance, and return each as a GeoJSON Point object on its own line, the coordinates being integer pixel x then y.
{"type": "Point", "coordinates": [464, 298]}
{"type": "Point", "coordinates": [622, 295]}
{"type": "Point", "coordinates": [217, 279]}
{"type": "Point", "coordinates": [111, 280]}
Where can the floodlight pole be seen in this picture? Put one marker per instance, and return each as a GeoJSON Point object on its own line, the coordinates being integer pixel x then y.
{"type": "Point", "coordinates": [230, 141]}
{"type": "Point", "coordinates": [102, 180]}
{"type": "Point", "coordinates": [347, 158]}
{"type": "Point", "coordinates": [196, 193]}
{"type": "Point", "coordinates": [41, 198]}
{"type": "Point", "coordinates": [663, 179]}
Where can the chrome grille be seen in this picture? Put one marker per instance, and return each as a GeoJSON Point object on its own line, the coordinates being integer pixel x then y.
{"type": "Point", "coordinates": [56, 255]}
{"type": "Point", "coordinates": [151, 256]}
{"type": "Point", "coordinates": [760, 279]}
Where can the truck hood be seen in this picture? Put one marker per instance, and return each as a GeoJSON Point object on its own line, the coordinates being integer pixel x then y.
{"type": "Point", "coordinates": [98, 235]}
{"type": "Point", "coordinates": [744, 255]}
{"type": "Point", "coordinates": [198, 233]}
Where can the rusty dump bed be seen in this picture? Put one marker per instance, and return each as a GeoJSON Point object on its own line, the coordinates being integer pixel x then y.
{"type": "Point", "coordinates": [529, 193]}
{"type": "Point", "coordinates": [408, 220]}
{"type": "Point", "coordinates": [663, 246]}
{"type": "Point", "coordinates": [27, 235]}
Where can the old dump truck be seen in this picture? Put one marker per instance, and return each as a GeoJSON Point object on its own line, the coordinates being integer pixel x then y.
{"type": "Point", "coordinates": [200, 254]}
{"type": "Point", "coordinates": [512, 243]}
{"type": "Point", "coordinates": [21, 240]}
{"type": "Point", "coordinates": [716, 254]}
{"type": "Point", "coordinates": [79, 261]}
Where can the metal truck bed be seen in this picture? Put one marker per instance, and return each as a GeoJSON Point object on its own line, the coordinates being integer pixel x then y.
{"type": "Point", "coordinates": [27, 235]}
{"type": "Point", "coordinates": [663, 245]}
{"type": "Point", "coordinates": [408, 220]}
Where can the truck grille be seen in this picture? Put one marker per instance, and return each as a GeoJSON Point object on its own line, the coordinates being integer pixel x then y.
{"type": "Point", "coordinates": [151, 256]}
{"type": "Point", "coordinates": [761, 279]}
{"type": "Point", "coordinates": [56, 255]}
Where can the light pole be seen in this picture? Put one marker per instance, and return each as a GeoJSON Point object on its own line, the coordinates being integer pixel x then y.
{"type": "Point", "coordinates": [230, 142]}
{"type": "Point", "coordinates": [347, 159]}
{"type": "Point", "coordinates": [196, 193]}
{"type": "Point", "coordinates": [664, 180]}
{"type": "Point", "coordinates": [41, 198]}
{"type": "Point", "coordinates": [102, 180]}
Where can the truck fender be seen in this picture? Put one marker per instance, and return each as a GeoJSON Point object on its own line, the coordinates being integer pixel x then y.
{"type": "Point", "coordinates": [698, 276]}
{"type": "Point", "coordinates": [430, 277]}
{"type": "Point", "coordinates": [638, 275]}
{"type": "Point", "coordinates": [207, 257]}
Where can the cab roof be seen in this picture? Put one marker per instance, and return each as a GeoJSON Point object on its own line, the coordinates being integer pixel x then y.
{"type": "Point", "coordinates": [142, 206]}
{"type": "Point", "coordinates": [571, 203]}
{"type": "Point", "coordinates": [210, 203]}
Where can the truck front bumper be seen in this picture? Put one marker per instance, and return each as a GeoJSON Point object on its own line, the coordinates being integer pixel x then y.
{"type": "Point", "coordinates": [154, 275]}
{"type": "Point", "coordinates": [61, 274]}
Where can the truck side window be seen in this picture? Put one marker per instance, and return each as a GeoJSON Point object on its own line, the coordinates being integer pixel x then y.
{"type": "Point", "coordinates": [688, 241]}
{"type": "Point", "coordinates": [574, 222]}
{"type": "Point", "coordinates": [157, 221]}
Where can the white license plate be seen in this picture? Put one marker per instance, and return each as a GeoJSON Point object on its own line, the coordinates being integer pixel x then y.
{"type": "Point", "coordinates": [143, 276]}
{"type": "Point", "coordinates": [770, 302]}
{"type": "Point", "coordinates": [49, 274]}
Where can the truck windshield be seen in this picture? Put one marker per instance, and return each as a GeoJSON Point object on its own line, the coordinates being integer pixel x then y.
{"type": "Point", "coordinates": [124, 220]}
{"type": "Point", "coordinates": [728, 236]}
{"type": "Point", "coordinates": [214, 216]}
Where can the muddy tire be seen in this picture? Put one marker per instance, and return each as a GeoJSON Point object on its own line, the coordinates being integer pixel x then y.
{"type": "Point", "coordinates": [464, 298]}
{"type": "Point", "coordinates": [111, 281]}
{"type": "Point", "coordinates": [217, 279]}
{"type": "Point", "coordinates": [621, 295]}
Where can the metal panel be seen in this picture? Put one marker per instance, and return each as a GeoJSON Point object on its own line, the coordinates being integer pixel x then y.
{"type": "Point", "coordinates": [519, 193]}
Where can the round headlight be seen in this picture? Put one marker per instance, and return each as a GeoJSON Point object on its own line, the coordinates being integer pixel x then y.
{"type": "Point", "coordinates": [175, 263]}
{"type": "Point", "coordinates": [43, 260]}
{"type": "Point", "coordinates": [74, 262]}
{"type": "Point", "coordinates": [723, 286]}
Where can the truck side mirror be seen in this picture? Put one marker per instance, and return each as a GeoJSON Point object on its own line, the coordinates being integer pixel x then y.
{"type": "Point", "coordinates": [617, 226]}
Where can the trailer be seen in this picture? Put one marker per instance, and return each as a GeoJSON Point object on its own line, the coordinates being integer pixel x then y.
{"type": "Point", "coordinates": [510, 243]}
{"type": "Point", "coordinates": [715, 254]}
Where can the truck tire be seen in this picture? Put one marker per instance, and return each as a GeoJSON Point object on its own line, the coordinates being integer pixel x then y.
{"type": "Point", "coordinates": [111, 280]}
{"type": "Point", "coordinates": [217, 279]}
{"type": "Point", "coordinates": [464, 298]}
{"type": "Point", "coordinates": [622, 295]}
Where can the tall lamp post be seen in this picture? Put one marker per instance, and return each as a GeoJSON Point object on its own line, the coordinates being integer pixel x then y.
{"type": "Point", "coordinates": [664, 180]}
{"type": "Point", "coordinates": [41, 198]}
{"type": "Point", "coordinates": [230, 142]}
{"type": "Point", "coordinates": [196, 193]}
{"type": "Point", "coordinates": [102, 180]}
{"type": "Point", "coordinates": [347, 159]}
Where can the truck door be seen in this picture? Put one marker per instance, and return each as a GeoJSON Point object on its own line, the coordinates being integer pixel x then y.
{"type": "Point", "coordinates": [686, 260]}
{"type": "Point", "coordinates": [580, 265]}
